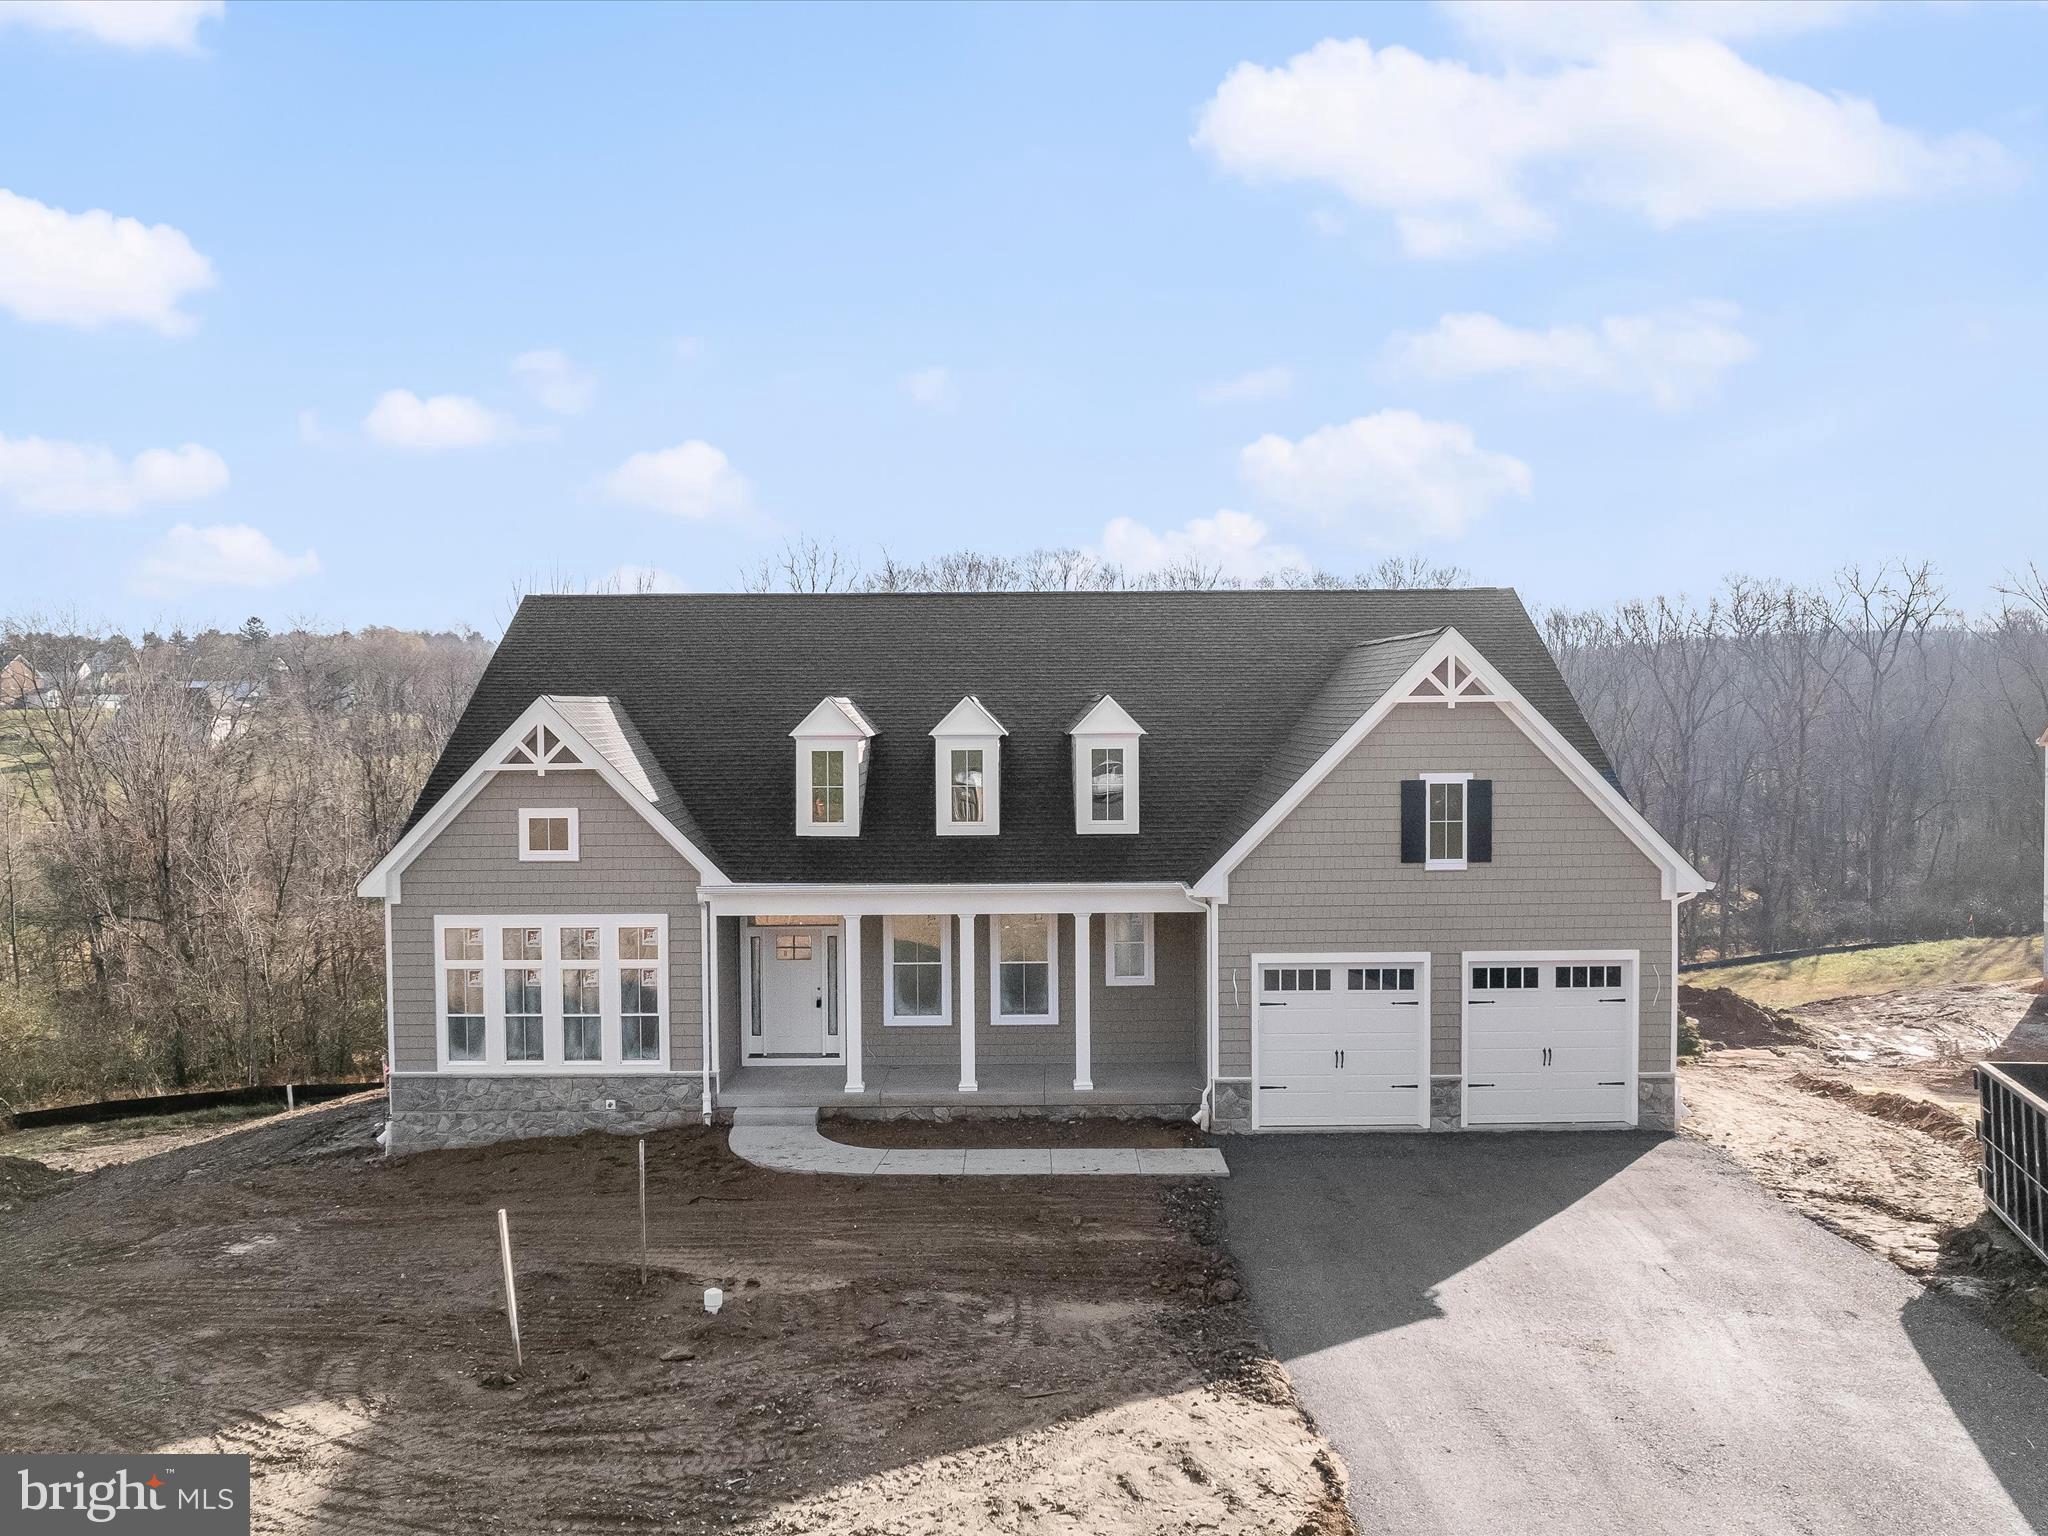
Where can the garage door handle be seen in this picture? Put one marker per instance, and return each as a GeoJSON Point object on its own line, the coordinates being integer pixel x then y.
{"type": "Point", "coordinates": [1267, 1002]}
{"type": "Point", "coordinates": [1623, 1083]}
{"type": "Point", "coordinates": [1479, 1085]}
{"type": "Point", "coordinates": [1404, 1085]}
{"type": "Point", "coordinates": [1410, 1003]}
{"type": "Point", "coordinates": [1480, 1002]}
{"type": "Point", "coordinates": [1272, 1087]}
{"type": "Point", "coordinates": [1613, 999]}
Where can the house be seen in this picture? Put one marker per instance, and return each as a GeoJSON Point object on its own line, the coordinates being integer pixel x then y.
{"type": "Point", "coordinates": [1274, 859]}
{"type": "Point", "coordinates": [19, 682]}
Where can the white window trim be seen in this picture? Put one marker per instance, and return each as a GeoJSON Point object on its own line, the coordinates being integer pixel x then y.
{"type": "Point", "coordinates": [1109, 975]}
{"type": "Point", "coordinates": [848, 749]}
{"type": "Point", "coordinates": [991, 750]}
{"type": "Point", "coordinates": [1084, 799]}
{"type": "Point", "coordinates": [494, 964]}
{"type": "Point", "coordinates": [944, 1017]}
{"type": "Point", "coordinates": [996, 1017]}
{"type": "Point", "coordinates": [529, 815]}
{"type": "Point", "coordinates": [1464, 820]}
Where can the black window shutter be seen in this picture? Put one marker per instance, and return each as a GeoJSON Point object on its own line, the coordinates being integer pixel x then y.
{"type": "Point", "coordinates": [1479, 821]}
{"type": "Point", "coordinates": [1414, 820]}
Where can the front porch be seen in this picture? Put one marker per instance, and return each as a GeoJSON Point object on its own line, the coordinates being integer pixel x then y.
{"type": "Point", "coordinates": [1032, 1088]}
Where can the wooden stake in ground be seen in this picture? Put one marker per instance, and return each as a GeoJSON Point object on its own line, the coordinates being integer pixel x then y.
{"type": "Point", "coordinates": [643, 1213]}
{"type": "Point", "coordinates": [511, 1294]}
{"type": "Point", "coordinates": [288, 1104]}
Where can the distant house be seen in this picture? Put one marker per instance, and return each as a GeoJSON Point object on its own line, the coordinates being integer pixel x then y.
{"type": "Point", "coordinates": [19, 682]}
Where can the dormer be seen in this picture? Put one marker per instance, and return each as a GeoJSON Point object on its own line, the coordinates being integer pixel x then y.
{"type": "Point", "coordinates": [831, 769]}
{"type": "Point", "coordinates": [1105, 769]}
{"type": "Point", "coordinates": [967, 762]}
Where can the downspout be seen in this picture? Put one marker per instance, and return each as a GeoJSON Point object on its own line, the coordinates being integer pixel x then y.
{"type": "Point", "coordinates": [1205, 1115]}
{"type": "Point", "coordinates": [706, 932]}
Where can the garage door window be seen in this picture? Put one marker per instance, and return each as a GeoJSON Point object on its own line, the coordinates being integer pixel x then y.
{"type": "Point", "coordinates": [1497, 978]}
{"type": "Point", "coordinates": [1588, 976]}
{"type": "Point", "coordinates": [1381, 979]}
{"type": "Point", "coordinates": [1288, 978]}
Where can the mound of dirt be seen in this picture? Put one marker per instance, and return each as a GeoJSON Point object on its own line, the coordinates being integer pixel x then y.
{"type": "Point", "coordinates": [23, 1178]}
{"type": "Point", "coordinates": [1899, 1108]}
{"type": "Point", "coordinates": [1728, 1018]}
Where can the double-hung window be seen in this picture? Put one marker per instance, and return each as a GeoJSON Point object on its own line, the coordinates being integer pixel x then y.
{"type": "Point", "coordinates": [551, 993]}
{"type": "Point", "coordinates": [462, 951]}
{"type": "Point", "coordinates": [1130, 949]}
{"type": "Point", "coordinates": [1446, 847]}
{"type": "Point", "coordinates": [1026, 980]}
{"type": "Point", "coordinates": [918, 971]}
{"type": "Point", "coordinates": [969, 800]}
{"type": "Point", "coordinates": [828, 787]}
{"type": "Point", "coordinates": [1106, 784]}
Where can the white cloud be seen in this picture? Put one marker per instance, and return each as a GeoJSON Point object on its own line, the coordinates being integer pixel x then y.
{"type": "Point", "coordinates": [638, 578]}
{"type": "Point", "coordinates": [1580, 29]}
{"type": "Point", "coordinates": [402, 419]}
{"type": "Point", "coordinates": [1669, 125]}
{"type": "Point", "coordinates": [1385, 478]}
{"type": "Point", "coordinates": [1232, 543]}
{"type": "Point", "coordinates": [1672, 356]}
{"type": "Point", "coordinates": [932, 388]}
{"type": "Point", "coordinates": [692, 481]}
{"type": "Point", "coordinates": [39, 474]}
{"type": "Point", "coordinates": [226, 555]}
{"type": "Point", "coordinates": [1259, 384]}
{"type": "Point", "coordinates": [134, 24]}
{"type": "Point", "coordinates": [558, 384]}
{"type": "Point", "coordinates": [91, 268]}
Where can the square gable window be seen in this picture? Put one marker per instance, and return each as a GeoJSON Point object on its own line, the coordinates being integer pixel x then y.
{"type": "Point", "coordinates": [549, 835]}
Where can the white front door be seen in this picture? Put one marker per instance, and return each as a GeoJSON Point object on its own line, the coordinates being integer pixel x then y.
{"type": "Point", "coordinates": [794, 1007]}
{"type": "Point", "coordinates": [1342, 1040]}
{"type": "Point", "coordinates": [1550, 1038]}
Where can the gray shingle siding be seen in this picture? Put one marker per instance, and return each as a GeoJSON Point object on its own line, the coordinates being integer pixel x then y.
{"type": "Point", "coordinates": [1330, 877]}
{"type": "Point", "coordinates": [473, 869]}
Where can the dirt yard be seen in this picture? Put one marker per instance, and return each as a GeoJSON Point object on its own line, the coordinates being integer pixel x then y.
{"type": "Point", "coordinates": [1860, 1112]}
{"type": "Point", "coordinates": [896, 1356]}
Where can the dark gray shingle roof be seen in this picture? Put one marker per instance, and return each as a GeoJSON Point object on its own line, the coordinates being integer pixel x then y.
{"type": "Point", "coordinates": [1238, 692]}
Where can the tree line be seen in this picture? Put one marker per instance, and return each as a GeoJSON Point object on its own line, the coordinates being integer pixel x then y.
{"type": "Point", "coordinates": [183, 819]}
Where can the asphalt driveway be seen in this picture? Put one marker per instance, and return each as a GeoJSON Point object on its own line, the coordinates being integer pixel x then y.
{"type": "Point", "coordinates": [1618, 1333]}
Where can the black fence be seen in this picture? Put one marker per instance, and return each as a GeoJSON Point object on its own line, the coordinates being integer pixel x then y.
{"type": "Point", "coordinates": [177, 1103]}
{"type": "Point", "coordinates": [2014, 1130]}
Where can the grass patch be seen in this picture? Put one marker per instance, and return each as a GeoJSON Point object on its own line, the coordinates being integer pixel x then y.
{"type": "Point", "coordinates": [1870, 972]}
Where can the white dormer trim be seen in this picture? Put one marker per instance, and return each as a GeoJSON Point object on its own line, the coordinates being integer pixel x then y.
{"type": "Point", "coordinates": [968, 727]}
{"type": "Point", "coordinates": [834, 725]}
{"type": "Point", "coordinates": [1107, 726]}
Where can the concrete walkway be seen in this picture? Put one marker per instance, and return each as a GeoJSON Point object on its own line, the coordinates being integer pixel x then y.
{"type": "Point", "coordinates": [789, 1140]}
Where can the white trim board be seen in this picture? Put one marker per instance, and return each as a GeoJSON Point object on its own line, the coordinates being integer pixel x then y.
{"type": "Point", "coordinates": [1680, 878]}
{"type": "Point", "coordinates": [383, 880]}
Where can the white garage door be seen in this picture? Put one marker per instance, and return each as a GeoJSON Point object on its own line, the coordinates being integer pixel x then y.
{"type": "Point", "coordinates": [1342, 1040]}
{"type": "Point", "coordinates": [1548, 1039]}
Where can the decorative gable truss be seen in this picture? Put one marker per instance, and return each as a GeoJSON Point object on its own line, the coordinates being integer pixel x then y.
{"type": "Point", "coordinates": [539, 750]}
{"type": "Point", "coordinates": [1453, 680]}
{"type": "Point", "coordinates": [546, 738]}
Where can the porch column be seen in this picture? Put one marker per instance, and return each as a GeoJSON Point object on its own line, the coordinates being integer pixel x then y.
{"type": "Point", "coordinates": [852, 1001]}
{"type": "Point", "coordinates": [970, 999]}
{"type": "Point", "coordinates": [1084, 981]}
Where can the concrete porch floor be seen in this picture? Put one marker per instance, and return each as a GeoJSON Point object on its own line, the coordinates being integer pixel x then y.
{"type": "Point", "coordinates": [1168, 1090]}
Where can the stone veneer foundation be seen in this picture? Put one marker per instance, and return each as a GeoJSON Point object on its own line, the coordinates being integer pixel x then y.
{"type": "Point", "coordinates": [432, 1111]}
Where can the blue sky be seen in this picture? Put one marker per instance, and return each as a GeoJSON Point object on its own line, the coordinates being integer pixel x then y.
{"type": "Point", "coordinates": [367, 314]}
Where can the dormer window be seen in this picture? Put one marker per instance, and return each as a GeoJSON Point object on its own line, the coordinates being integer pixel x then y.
{"type": "Point", "coordinates": [1105, 741]}
{"type": "Point", "coordinates": [831, 769]}
{"type": "Point", "coordinates": [967, 748]}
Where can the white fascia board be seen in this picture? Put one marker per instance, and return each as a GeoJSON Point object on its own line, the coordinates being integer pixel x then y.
{"type": "Point", "coordinates": [1680, 878]}
{"type": "Point", "coordinates": [1106, 718]}
{"type": "Point", "coordinates": [970, 717]}
{"type": "Point", "coordinates": [835, 716]}
{"type": "Point", "coordinates": [923, 899]}
{"type": "Point", "coordinates": [382, 882]}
